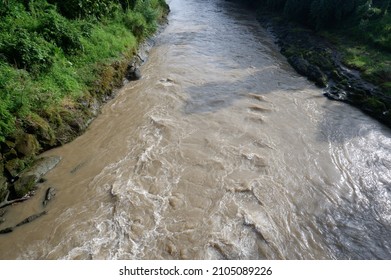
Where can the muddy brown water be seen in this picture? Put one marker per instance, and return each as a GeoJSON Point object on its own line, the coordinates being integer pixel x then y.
{"type": "Point", "coordinates": [220, 151]}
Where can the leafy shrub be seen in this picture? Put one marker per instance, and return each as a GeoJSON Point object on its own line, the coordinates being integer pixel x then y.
{"type": "Point", "coordinates": [136, 23]}
{"type": "Point", "coordinates": [27, 51]}
{"type": "Point", "coordinates": [40, 65]}
{"type": "Point", "coordinates": [276, 5]}
{"type": "Point", "coordinates": [144, 7]}
{"type": "Point", "coordinates": [85, 8]}
{"type": "Point", "coordinates": [4, 9]}
{"type": "Point", "coordinates": [297, 10]}
{"type": "Point", "coordinates": [62, 32]}
{"type": "Point", "coordinates": [127, 4]}
{"type": "Point", "coordinates": [10, 100]}
{"type": "Point", "coordinates": [7, 122]}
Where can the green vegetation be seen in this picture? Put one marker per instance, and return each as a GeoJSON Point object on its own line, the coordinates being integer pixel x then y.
{"type": "Point", "coordinates": [320, 14]}
{"type": "Point", "coordinates": [360, 28]}
{"type": "Point", "coordinates": [57, 59]}
{"type": "Point", "coordinates": [49, 50]}
{"type": "Point", "coordinates": [373, 63]}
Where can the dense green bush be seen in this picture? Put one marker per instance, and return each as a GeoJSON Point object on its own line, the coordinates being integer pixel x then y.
{"type": "Point", "coordinates": [332, 13]}
{"type": "Point", "coordinates": [297, 10]}
{"type": "Point", "coordinates": [145, 8]}
{"type": "Point", "coordinates": [27, 50]}
{"type": "Point", "coordinates": [52, 51]}
{"type": "Point", "coordinates": [322, 14]}
{"type": "Point", "coordinates": [276, 4]}
{"type": "Point", "coordinates": [383, 5]}
{"type": "Point", "coordinates": [63, 33]}
{"type": "Point", "coordinates": [7, 122]}
{"type": "Point", "coordinates": [85, 8]}
{"type": "Point", "coordinates": [12, 97]}
{"type": "Point", "coordinates": [136, 23]}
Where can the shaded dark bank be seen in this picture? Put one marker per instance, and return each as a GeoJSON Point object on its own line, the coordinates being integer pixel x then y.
{"type": "Point", "coordinates": [323, 62]}
{"type": "Point", "coordinates": [317, 59]}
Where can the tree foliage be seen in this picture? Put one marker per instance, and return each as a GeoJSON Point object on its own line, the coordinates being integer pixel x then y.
{"type": "Point", "coordinates": [322, 14]}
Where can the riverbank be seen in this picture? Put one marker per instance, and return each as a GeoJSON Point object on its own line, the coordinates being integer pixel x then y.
{"type": "Point", "coordinates": [326, 63]}
{"type": "Point", "coordinates": [45, 108]}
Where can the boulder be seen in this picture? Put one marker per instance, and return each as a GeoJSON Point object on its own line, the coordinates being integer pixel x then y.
{"type": "Point", "coordinates": [25, 184]}
{"type": "Point", "coordinates": [31, 176]}
{"type": "Point", "coordinates": [133, 73]}
{"type": "Point", "coordinates": [27, 145]}
{"type": "Point", "coordinates": [335, 93]}
{"type": "Point", "coordinates": [41, 128]}
{"type": "Point", "coordinates": [49, 195]}
{"type": "Point", "coordinates": [312, 72]}
{"type": "Point", "coordinates": [7, 230]}
{"type": "Point", "coordinates": [14, 167]}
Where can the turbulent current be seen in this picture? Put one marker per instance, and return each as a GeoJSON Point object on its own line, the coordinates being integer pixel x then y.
{"type": "Point", "coordinates": [220, 151]}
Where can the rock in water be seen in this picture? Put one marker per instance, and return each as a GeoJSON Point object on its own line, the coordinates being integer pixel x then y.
{"type": "Point", "coordinates": [31, 218]}
{"type": "Point", "coordinates": [7, 230]}
{"type": "Point", "coordinates": [30, 177]}
{"type": "Point", "coordinates": [50, 193]}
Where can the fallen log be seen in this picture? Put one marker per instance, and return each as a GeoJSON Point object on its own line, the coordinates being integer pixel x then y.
{"type": "Point", "coordinates": [31, 218]}
{"type": "Point", "coordinates": [7, 230]}
{"type": "Point", "coordinates": [7, 202]}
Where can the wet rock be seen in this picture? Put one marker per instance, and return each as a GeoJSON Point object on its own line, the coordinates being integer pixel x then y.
{"type": "Point", "coordinates": [77, 124]}
{"type": "Point", "coordinates": [41, 129]}
{"type": "Point", "coordinates": [31, 218]}
{"type": "Point", "coordinates": [133, 73]}
{"type": "Point", "coordinates": [25, 221]}
{"type": "Point", "coordinates": [49, 195]}
{"type": "Point", "coordinates": [137, 74]}
{"type": "Point", "coordinates": [25, 184]}
{"type": "Point", "coordinates": [14, 167]}
{"type": "Point", "coordinates": [30, 177]}
{"type": "Point", "coordinates": [335, 93]}
{"type": "Point", "coordinates": [7, 230]}
{"type": "Point", "coordinates": [313, 72]}
{"type": "Point", "coordinates": [27, 145]}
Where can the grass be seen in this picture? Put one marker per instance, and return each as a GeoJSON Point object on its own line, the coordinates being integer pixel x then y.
{"type": "Point", "coordinates": [367, 48]}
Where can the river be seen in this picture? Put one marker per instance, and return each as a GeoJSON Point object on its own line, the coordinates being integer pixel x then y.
{"type": "Point", "coordinates": [220, 151]}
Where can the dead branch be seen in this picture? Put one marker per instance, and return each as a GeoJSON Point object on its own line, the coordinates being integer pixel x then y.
{"type": "Point", "coordinates": [7, 202]}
